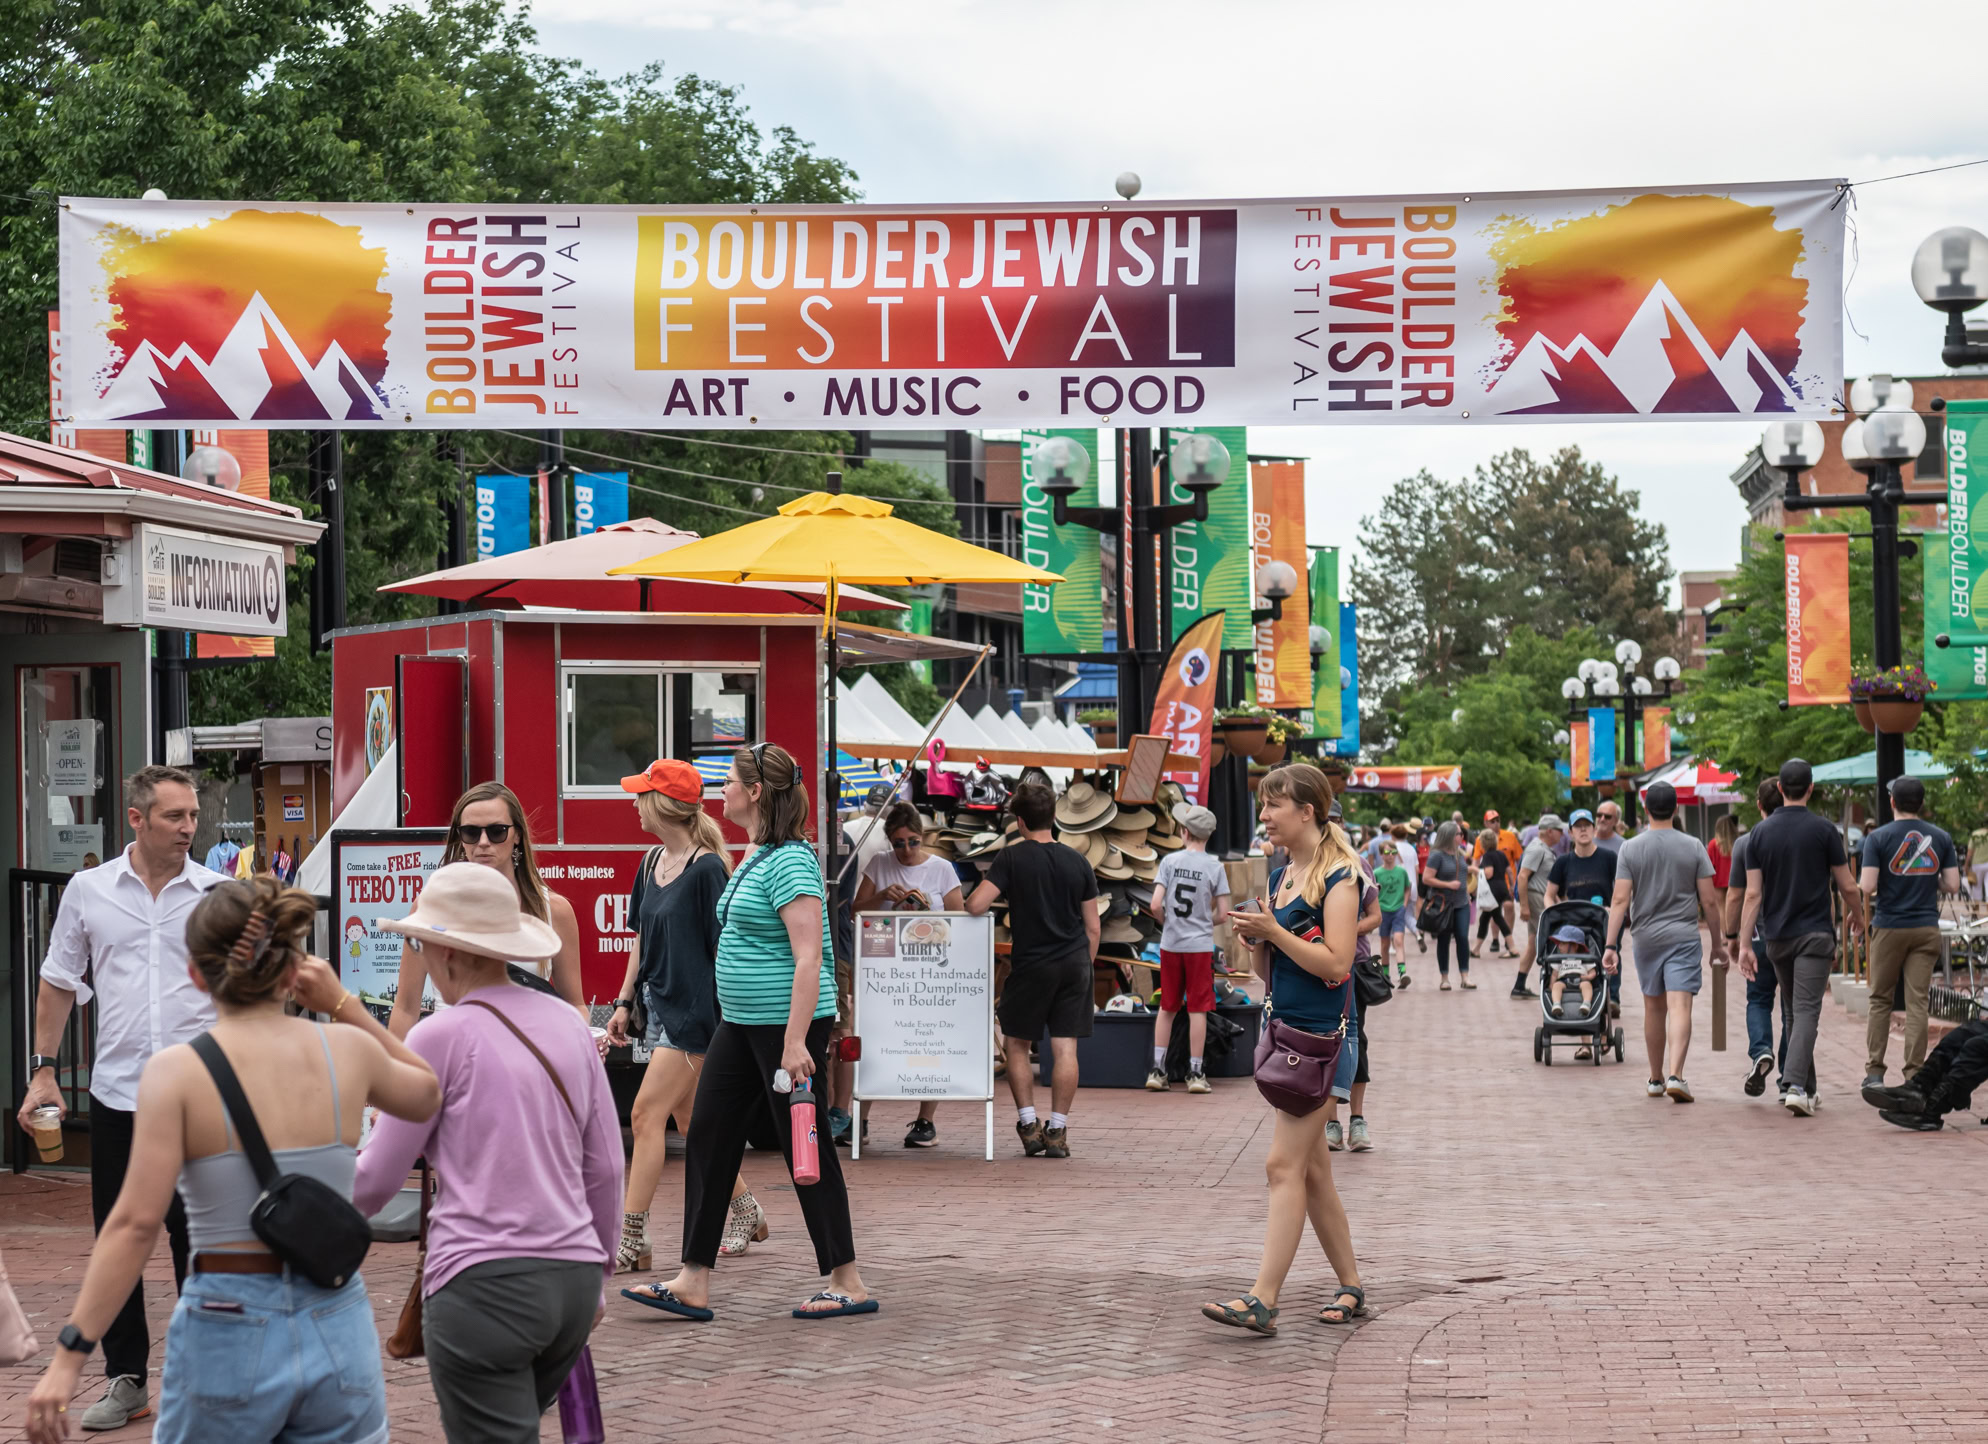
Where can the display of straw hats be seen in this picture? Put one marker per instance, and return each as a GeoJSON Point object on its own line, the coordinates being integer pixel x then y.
{"type": "Point", "coordinates": [1084, 808]}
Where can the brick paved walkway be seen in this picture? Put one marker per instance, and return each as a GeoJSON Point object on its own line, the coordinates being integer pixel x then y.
{"type": "Point", "coordinates": [1552, 1257]}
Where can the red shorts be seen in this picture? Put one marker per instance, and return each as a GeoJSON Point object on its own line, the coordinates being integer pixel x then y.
{"type": "Point", "coordinates": [1192, 972]}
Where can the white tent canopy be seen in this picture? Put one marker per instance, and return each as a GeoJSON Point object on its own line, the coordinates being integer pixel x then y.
{"type": "Point", "coordinates": [370, 809]}
{"type": "Point", "coordinates": [856, 723]}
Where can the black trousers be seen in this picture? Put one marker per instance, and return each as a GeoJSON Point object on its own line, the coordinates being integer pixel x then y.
{"type": "Point", "coordinates": [1957, 1067]}
{"type": "Point", "coordinates": [127, 1342]}
{"type": "Point", "coordinates": [1493, 917]}
{"type": "Point", "coordinates": [1455, 926]}
{"type": "Point", "coordinates": [736, 1083]}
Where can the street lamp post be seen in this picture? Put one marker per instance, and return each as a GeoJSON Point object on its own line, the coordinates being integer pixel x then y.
{"type": "Point", "coordinates": [1950, 273]}
{"type": "Point", "coordinates": [1603, 679]}
{"type": "Point", "coordinates": [1888, 433]}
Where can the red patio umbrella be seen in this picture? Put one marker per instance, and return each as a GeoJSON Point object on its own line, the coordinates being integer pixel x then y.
{"type": "Point", "coordinates": [575, 573]}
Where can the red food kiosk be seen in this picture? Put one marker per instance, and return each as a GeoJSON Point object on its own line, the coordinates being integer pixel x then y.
{"type": "Point", "coordinates": [559, 705]}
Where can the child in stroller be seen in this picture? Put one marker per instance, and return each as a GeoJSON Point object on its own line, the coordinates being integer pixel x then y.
{"type": "Point", "coordinates": [1570, 936]}
{"type": "Point", "coordinates": [1571, 962]}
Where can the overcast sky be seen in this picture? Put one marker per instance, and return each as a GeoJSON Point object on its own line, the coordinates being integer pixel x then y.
{"type": "Point", "coordinates": [1032, 100]}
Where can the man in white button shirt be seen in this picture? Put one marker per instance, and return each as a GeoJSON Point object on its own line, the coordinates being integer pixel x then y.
{"type": "Point", "coordinates": [120, 937]}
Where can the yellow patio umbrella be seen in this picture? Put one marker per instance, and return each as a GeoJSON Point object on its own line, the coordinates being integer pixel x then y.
{"type": "Point", "coordinates": [836, 538]}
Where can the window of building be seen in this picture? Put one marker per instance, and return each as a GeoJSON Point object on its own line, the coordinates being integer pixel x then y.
{"type": "Point", "coordinates": [619, 719]}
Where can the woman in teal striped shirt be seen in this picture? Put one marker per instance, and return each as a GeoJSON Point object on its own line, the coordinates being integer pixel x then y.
{"type": "Point", "coordinates": [776, 1003]}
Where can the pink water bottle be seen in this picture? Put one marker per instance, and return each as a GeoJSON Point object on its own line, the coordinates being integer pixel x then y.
{"type": "Point", "coordinates": [801, 1119]}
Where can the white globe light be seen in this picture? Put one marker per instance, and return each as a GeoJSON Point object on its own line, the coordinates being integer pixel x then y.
{"type": "Point", "coordinates": [1891, 435]}
{"type": "Point", "coordinates": [1852, 442]}
{"type": "Point", "coordinates": [212, 466]}
{"type": "Point", "coordinates": [1345, 679]}
{"type": "Point", "coordinates": [1127, 184]}
{"type": "Point", "coordinates": [1872, 393]}
{"type": "Point", "coordinates": [1791, 445]}
{"type": "Point", "coordinates": [1640, 686]}
{"type": "Point", "coordinates": [1607, 687]}
{"type": "Point", "coordinates": [1320, 639]}
{"type": "Point", "coordinates": [153, 193]}
{"type": "Point", "coordinates": [1561, 738]}
{"type": "Point", "coordinates": [1950, 269]}
{"type": "Point", "coordinates": [1276, 581]}
{"type": "Point", "coordinates": [1586, 671]}
{"type": "Point", "coordinates": [1628, 653]}
{"type": "Point", "coordinates": [1572, 688]}
{"type": "Point", "coordinates": [1456, 716]}
{"type": "Point", "coordinates": [1666, 669]}
{"type": "Point", "coordinates": [1606, 670]}
{"type": "Point", "coordinates": [1199, 461]}
{"type": "Point", "coordinates": [1060, 464]}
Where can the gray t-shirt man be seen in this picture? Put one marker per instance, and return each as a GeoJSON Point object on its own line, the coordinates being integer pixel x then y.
{"type": "Point", "coordinates": [1189, 882]}
{"type": "Point", "coordinates": [1663, 866]}
{"type": "Point", "coordinates": [1538, 861]}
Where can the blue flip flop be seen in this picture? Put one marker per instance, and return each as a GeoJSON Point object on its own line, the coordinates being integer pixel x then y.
{"type": "Point", "coordinates": [848, 1306]}
{"type": "Point", "coordinates": [669, 1303]}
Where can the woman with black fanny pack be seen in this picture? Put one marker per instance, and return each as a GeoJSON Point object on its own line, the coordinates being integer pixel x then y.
{"type": "Point", "coordinates": [255, 1351]}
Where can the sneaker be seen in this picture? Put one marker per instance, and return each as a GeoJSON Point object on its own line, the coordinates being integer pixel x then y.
{"type": "Point", "coordinates": [1520, 990]}
{"type": "Point", "coordinates": [1464, 981]}
{"type": "Point", "coordinates": [1905, 1098]}
{"type": "Point", "coordinates": [1197, 1082]}
{"type": "Point", "coordinates": [1756, 1081]}
{"type": "Point", "coordinates": [1357, 1140]}
{"type": "Point", "coordinates": [1614, 1009]}
{"type": "Point", "coordinates": [1421, 943]}
{"type": "Point", "coordinates": [1917, 1122]}
{"type": "Point", "coordinates": [1797, 1100]}
{"type": "Point", "coordinates": [838, 1127]}
{"type": "Point", "coordinates": [1056, 1142]}
{"type": "Point", "coordinates": [1678, 1090]}
{"type": "Point", "coordinates": [122, 1402]}
{"type": "Point", "coordinates": [1156, 1081]}
{"type": "Point", "coordinates": [1335, 1136]}
{"type": "Point", "coordinates": [1556, 1010]}
{"type": "Point", "coordinates": [1031, 1135]}
{"type": "Point", "coordinates": [1404, 979]}
{"type": "Point", "coordinates": [1654, 1088]}
{"type": "Point", "coordinates": [1874, 1080]}
{"type": "Point", "coordinates": [921, 1134]}
{"type": "Point", "coordinates": [1444, 986]}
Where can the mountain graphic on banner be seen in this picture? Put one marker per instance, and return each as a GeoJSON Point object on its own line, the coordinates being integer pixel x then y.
{"type": "Point", "coordinates": [258, 373]}
{"type": "Point", "coordinates": [1661, 362]}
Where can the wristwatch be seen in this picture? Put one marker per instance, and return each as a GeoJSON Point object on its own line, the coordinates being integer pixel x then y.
{"type": "Point", "coordinates": [628, 1003]}
{"type": "Point", "coordinates": [71, 1338]}
{"type": "Point", "coordinates": [39, 1061]}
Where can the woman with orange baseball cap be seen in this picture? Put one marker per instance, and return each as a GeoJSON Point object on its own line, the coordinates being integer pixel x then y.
{"type": "Point", "coordinates": [672, 972]}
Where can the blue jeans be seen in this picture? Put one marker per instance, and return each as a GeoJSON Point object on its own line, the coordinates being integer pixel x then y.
{"type": "Point", "coordinates": [1760, 1012]}
{"type": "Point", "coordinates": [259, 1357]}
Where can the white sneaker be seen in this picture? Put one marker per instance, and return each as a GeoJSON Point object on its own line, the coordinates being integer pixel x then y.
{"type": "Point", "coordinates": [1678, 1089]}
{"type": "Point", "coordinates": [1357, 1140]}
{"type": "Point", "coordinates": [1654, 1088]}
{"type": "Point", "coordinates": [1797, 1100]}
{"type": "Point", "coordinates": [1335, 1137]}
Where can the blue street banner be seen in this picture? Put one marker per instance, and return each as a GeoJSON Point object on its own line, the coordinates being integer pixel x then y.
{"type": "Point", "coordinates": [503, 511]}
{"type": "Point", "coordinates": [1601, 744]}
{"type": "Point", "coordinates": [600, 498]}
{"type": "Point", "coordinates": [1348, 743]}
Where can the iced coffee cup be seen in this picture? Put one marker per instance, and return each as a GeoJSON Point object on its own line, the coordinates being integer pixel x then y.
{"type": "Point", "coordinates": [46, 1124]}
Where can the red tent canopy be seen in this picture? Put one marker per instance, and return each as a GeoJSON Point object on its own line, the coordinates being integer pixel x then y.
{"type": "Point", "coordinates": [1698, 781]}
{"type": "Point", "coordinates": [574, 573]}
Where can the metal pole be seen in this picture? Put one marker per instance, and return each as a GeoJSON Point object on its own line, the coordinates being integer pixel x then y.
{"type": "Point", "coordinates": [552, 463]}
{"type": "Point", "coordinates": [1886, 642]}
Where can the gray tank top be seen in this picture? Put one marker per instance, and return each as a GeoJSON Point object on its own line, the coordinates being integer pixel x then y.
{"type": "Point", "coordinates": [220, 1189]}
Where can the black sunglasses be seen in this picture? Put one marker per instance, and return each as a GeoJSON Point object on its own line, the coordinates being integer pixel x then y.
{"type": "Point", "coordinates": [904, 844]}
{"type": "Point", "coordinates": [497, 832]}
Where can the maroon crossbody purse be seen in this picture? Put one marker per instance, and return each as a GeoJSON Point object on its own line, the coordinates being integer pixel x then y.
{"type": "Point", "coordinates": [1294, 1068]}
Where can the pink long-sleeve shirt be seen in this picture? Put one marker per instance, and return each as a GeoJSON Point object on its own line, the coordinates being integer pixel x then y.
{"type": "Point", "coordinates": [518, 1178]}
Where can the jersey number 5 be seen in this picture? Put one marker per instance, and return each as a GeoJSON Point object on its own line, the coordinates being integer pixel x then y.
{"type": "Point", "coordinates": [1183, 899]}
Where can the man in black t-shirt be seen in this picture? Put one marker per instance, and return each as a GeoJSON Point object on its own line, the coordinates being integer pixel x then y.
{"type": "Point", "coordinates": [1586, 873]}
{"type": "Point", "coordinates": [1792, 859]}
{"type": "Point", "coordinates": [1053, 920]}
{"type": "Point", "coordinates": [1907, 864]}
{"type": "Point", "coordinates": [1761, 982]}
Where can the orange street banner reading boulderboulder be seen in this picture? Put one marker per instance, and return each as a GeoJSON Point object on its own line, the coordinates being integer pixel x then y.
{"type": "Point", "coordinates": [1818, 582]}
{"type": "Point", "coordinates": [1700, 301]}
{"type": "Point", "coordinates": [1184, 709]}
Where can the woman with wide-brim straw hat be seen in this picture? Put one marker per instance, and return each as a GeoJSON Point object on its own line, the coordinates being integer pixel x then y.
{"type": "Point", "coordinates": [527, 1147]}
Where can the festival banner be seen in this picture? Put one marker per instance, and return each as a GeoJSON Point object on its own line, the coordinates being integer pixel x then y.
{"type": "Point", "coordinates": [1656, 738]}
{"type": "Point", "coordinates": [1818, 622]}
{"type": "Point", "coordinates": [1068, 617]}
{"type": "Point", "coordinates": [502, 506]}
{"type": "Point", "coordinates": [1691, 302]}
{"type": "Point", "coordinates": [1277, 533]}
{"type": "Point", "coordinates": [1577, 771]}
{"type": "Point", "coordinates": [1432, 777]}
{"type": "Point", "coordinates": [1348, 743]}
{"type": "Point", "coordinates": [1210, 566]}
{"type": "Point", "coordinates": [1324, 719]}
{"type": "Point", "coordinates": [1601, 744]}
{"type": "Point", "coordinates": [1184, 707]}
{"type": "Point", "coordinates": [600, 498]}
{"type": "Point", "coordinates": [1964, 571]}
{"type": "Point", "coordinates": [251, 452]}
{"type": "Point", "coordinates": [97, 443]}
{"type": "Point", "coordinates": [1960, 673]}
{"type": "Point", "coordinates": [918, 619]}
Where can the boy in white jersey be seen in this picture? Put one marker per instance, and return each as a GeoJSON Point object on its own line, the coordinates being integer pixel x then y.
{"type": "Point", "coordinates": [1190, 897]}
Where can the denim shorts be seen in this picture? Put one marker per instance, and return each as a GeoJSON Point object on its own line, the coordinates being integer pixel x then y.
{"type": "Point", "coordinates": [653, 1035]}
{"type": "Point", "coordinates": [1395, 924]}
{"type": "Point", "coordinates": [254, 1357]}
{"type": "Point", "coordinates": [1343, 1072]}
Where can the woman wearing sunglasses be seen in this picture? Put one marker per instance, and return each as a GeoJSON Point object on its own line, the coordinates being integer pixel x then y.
{"type": "Point", "coordinates": [488, 827]}
{"type": "Point", "coordinates": [910, 879]}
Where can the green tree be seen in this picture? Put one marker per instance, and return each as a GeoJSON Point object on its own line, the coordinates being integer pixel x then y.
{"type": "Point", "coordinates": [1449, 571]}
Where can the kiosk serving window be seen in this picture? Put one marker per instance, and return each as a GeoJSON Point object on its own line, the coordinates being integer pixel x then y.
{"type": "Point", "coordinates": [620, 718]}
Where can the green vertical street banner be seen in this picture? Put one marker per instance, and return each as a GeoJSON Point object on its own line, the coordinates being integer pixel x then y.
{"type": "Point", "coordinates": [1960, 673]}
{"type": "Point", "coordinates": [1963, 574]}
{"type": "Point", "coordinates": [1209, 569]}
{"type": "Point", "coordinates": [1068, 617]}
{"type": "Point", "coordinates": [1324, 719]}
{"type": "Point", "coordinates": [919, 619]}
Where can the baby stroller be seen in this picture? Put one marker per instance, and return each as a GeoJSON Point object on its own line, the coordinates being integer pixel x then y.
{"type": "Point", "coordinates": [1580, 1027]}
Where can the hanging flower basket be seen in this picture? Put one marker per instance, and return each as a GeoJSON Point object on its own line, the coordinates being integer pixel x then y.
{"type": "Point", "coordinates": [1271, 753]}
{"type": "Point", "coordinates": [1245, 732]}
{"type": "Point", "coordinates": [1218, 749]}
{"type": "Point", "coordinates": [1896, 714]}
{"type": "Point", "coordinates": [1862, 707]}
